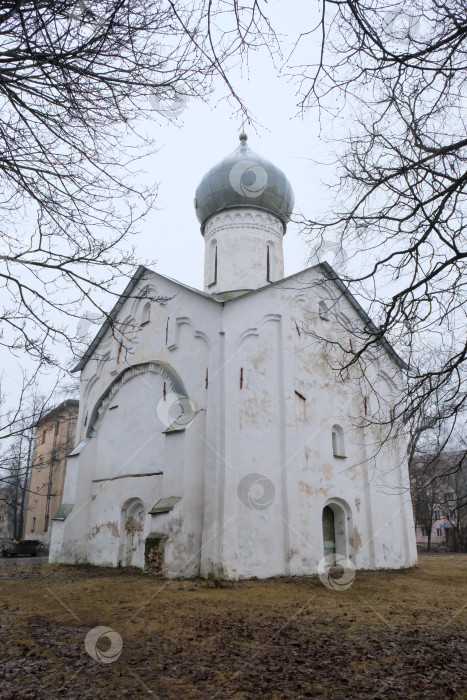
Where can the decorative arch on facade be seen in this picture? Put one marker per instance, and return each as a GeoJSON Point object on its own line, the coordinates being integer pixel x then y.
{"type": "Point", "coordinates": [147, 293]}
{"type": "Point", "coordinates": [174, 334]}
{"type": "Point", "coordinates": [386, 379]}
{"type": "Point", "coordinates": [156, 367]}
{"type": "Point", "coordinates": [243, 337]}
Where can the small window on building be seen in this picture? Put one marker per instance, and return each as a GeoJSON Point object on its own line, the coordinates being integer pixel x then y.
{"type": "Point", "coordinates": [146, 315]}
{"type": "Point", "coordinates": [439, 531]}
{"type": "Point", "coordinates": [437, 515]}
{"type": "Point", "coordinates": [449, 496]}
{"type": "Point", "coordinates": [424, 532]}
{"type": "Point", "coordinates": [270, 262]}
{"type": "Point", "coordinates": [338, 445]}
{"type": "Point", "coordinates": [33, 524]}
{"type": "Point", "coordinates": [57, 428]}
{"type": "Point", "coordinates": [46, 523]}
{"type": "Point", "coordinates": [323, 311]}
{"type": "Point", "coordinates": [212, 271]}
{"type": "Point", "coordinates": [43, 436]}
{"type": "Point", "coordinates": [36, 495]}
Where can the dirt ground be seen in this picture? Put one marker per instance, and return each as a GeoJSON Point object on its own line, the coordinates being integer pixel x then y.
{"type": "Point", "coordinates": [390, 635]}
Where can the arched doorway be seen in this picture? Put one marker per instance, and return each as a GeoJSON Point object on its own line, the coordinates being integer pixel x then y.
{"type": "Point", "coordinates": [131, 540]}
{"type": "Point", "coordinates": [337, 527]}
{"type": "Point", "coordinates": [329, 536]}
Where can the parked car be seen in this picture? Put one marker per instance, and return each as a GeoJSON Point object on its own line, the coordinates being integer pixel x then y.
{"type": "Point", "coordinates": [11, 548]}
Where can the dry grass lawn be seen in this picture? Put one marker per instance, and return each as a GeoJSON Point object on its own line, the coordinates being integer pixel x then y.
{"type": "Point", "coordinates": [398, 634]}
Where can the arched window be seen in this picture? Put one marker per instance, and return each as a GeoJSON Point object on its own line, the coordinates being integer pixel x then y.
{"type": "Point", "coordinates": [338, 444]}
{"type": "Point", "coordinates": [146, 315]}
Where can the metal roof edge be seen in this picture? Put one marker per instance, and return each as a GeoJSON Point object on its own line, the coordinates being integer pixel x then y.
{"type": "Point", "coordinates": [63, 405]}
{"type": "Point", "coordinates": [334, 277]}
{"type": "Point", "coordinates": [110, 317]}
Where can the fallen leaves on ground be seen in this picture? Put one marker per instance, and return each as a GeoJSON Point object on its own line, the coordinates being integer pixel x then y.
{"type": "Point", "coordinates": [391, 635]}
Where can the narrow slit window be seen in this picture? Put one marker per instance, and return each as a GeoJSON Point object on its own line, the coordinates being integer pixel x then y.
{"type": "Point", "coordinates": [270, 261]}
{"type": "Point", "coordinates": [212, 263]}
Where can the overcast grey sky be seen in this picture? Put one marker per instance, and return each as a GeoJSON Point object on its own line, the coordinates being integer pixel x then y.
{"type": "Point", "coordinates": [204, 133]}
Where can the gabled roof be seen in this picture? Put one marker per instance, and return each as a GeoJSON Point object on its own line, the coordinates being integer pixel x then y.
{"type": "Point", "coordinates": [64, 406]}
{"type": "Point", "coordinates": [126, 294]}
{"type": "Point", "coordinates": [229, 298]}
{"type": "Point", "coordinates": [362, 313]}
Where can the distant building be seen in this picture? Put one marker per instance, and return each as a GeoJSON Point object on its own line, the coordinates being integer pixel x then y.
{"type": "Point", "coordinates": [6, 514]}
{"type": "Point", "coordinates": [438, 484]}
{"type": "Point", "coordinates": [54, 440]}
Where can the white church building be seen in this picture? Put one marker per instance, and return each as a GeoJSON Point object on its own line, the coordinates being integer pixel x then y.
{"type": "Point", "coordinates": [214, 436]}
